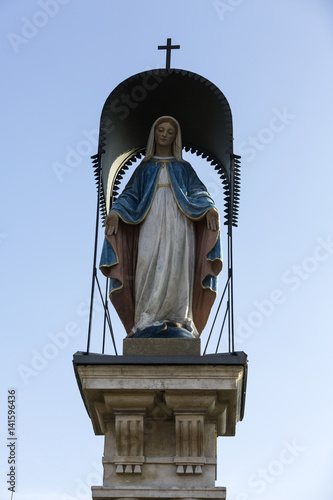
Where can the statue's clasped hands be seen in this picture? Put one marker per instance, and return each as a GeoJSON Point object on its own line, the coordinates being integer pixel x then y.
{"type": "Point", "coordinates": [111, 223]}
{"type": "Point", "coordinates": [213, 219]}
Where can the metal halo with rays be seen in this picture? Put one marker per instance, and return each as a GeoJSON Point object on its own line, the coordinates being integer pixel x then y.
{"type": "Point", "coordinates": [205, 119]}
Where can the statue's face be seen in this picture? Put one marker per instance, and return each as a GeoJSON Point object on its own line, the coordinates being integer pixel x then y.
{"type": "Point", "coordinates": [165, 134]}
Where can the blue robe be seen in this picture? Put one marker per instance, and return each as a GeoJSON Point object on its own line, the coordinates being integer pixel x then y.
{"type": "Point", "coordinates": [118, 257]}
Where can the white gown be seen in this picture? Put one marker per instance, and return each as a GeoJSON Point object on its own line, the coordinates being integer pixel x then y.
{"type": "Point", "coordinates": [165, 264]}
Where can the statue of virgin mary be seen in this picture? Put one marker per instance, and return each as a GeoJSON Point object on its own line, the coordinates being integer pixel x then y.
{"type": "Point", "coordinates": [162, 248]}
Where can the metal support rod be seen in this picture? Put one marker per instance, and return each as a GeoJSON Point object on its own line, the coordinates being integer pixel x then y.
{"type": "Point", "coordinates": [229, 291]}
{"type": "Point", "coordinates": [107, 315]}
{"type": "Point", "coordinates": [224, 318]}
{"type": "Point", "coordinates": [105, 307]}
{"type": "Point", "coordinates": [211, 330]}
{"type": "Point", "coordinates": [232, 295]}
{"type": "Point", "coordinates": [230, 259]}
{"type": "Point", "coordinates": [94, 273]}
{"type": "Point", "coordinates": [111, 330]}
{"type": "Point", "coordinates": [229, 322]}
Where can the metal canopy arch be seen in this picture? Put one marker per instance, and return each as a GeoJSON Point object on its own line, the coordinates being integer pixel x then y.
{"type": "Point", "coordinates": [203, 113]}
{"type": "Point", "coordinates": [206, 124]}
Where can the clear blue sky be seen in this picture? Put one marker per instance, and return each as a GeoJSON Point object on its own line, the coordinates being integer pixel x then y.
{"type": "Point", "coordinates": [273, 61]}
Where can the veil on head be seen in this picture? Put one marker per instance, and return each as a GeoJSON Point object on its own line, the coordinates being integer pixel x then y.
{"type": "Point", "coordinates": [177, 144]}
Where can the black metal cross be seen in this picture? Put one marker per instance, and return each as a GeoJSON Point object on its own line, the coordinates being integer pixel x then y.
{"type": "Point", "coordinates": [168, 47]}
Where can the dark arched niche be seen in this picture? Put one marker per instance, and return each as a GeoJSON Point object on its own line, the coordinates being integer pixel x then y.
{"type": "Point", "coordinates": [200, 107]}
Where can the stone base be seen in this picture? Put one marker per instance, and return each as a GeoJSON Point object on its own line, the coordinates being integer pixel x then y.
{"type": "Point", "coordinates": [160, 416]}
{"type": "Point", "coordinates": [161, 347]}
{"type": "Point", "coordinates": [103, 493]}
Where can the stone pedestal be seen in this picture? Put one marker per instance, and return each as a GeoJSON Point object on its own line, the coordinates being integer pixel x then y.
{"type": "Point", "coordinates": [161, 347]}
{"type": "Point", "coordinates": [160, 417]}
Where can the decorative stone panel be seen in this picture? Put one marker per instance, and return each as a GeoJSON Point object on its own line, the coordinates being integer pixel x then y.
{"type": "Point", "coordinates": [129, 442]}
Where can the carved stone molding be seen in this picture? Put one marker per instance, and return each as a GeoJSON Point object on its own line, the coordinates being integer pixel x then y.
{"type": "Point", "coordinates": [126, 411]}
{"type": "Point", "coordinates": [129, 434]}
{"type": "Point", "coordinates": [129, 442]}
{"type": "Point", "coordinates": [189, 443]}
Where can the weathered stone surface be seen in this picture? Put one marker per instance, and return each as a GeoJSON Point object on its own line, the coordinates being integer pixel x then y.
{"type": "Point", "coordinates": [160, 423]}
{"type": "Point", "coordinates": [161, 347]}
{"type": "Point", "coordinates": [216, 390]}
{"type": "Point", "coordinates": [105, 493]}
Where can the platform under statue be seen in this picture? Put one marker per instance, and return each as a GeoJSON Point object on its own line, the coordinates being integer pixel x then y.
{"type": "Point", "coordinates": [162, 250]}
